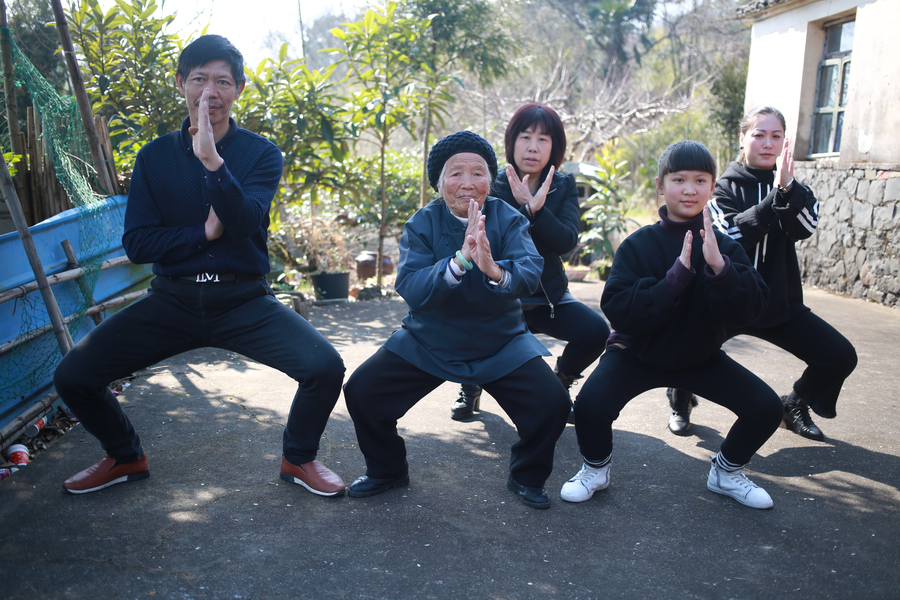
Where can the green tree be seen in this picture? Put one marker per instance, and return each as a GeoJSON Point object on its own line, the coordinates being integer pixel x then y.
{"type": "Point", "coordinates": [462, 37]}
{"type": "Point", "coordinates": [402, 181]}
{"type": "Point", "coordinates": [295, 107]}
{"type": "Point", "coordinates": [607, 206]}
{"type": "Point", "coordinates": [34, 31]}
{"type": "Point", "coordinates": [129, 61]}
{"type": "Point", "coordinates": [382, 53]}
{"type": "Point", "coordinates": [618, 28]}
{"type": "Point", "coordinates": [727, 102]}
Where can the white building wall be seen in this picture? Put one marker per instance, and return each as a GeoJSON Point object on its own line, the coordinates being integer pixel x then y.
{"type": "Point", "coordinates": [872, 120]}
{"type": "Point", "coordinates": [787, 43]}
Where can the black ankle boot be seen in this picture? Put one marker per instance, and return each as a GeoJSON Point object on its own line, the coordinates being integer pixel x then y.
{"type": "Point", "coordinates": [467, 402]}
{"type": "Point", "coordinates": [567, 381]}
{"type": "Point", "coordinates": [682, 403]}
{"type": "Point", "coordinates": [797, 419]}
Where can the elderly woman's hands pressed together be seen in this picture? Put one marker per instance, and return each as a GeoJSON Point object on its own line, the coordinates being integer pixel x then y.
{"type": "Point", "coordinates": [477, 248]}
{"type": "Point", "coordinates": [466, 259]}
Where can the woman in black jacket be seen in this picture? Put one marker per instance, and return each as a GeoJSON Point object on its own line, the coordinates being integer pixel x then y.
{"type": "Point", "coordinates": [758, 203]}
{"type": "Point", "coordinates": [535, 147]}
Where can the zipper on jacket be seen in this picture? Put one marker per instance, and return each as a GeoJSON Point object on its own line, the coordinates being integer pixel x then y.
{"type": "Point", "coordinates": [547, 296]}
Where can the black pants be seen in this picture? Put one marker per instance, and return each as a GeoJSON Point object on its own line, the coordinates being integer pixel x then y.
{"type": "Point", "coordinates": [829, 357]}
{"type": "Point", "coordinates": [620, 376]}
{"type": "Point", "coordinates": [386, 386]}
{"type": "Point", "coordinates": [582, 327]}
{"type": "Point", "coordinates": [177, 316]}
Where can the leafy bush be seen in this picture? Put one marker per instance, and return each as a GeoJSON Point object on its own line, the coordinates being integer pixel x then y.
{"type": "Point", "coordinates": [607, 207]}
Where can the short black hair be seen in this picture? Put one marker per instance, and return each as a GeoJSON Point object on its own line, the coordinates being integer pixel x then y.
{"type": "Point", "coordinates": [548, 122]}
{"type": "Point", "coordinates": [686, 155]}
{"type": "Point", "coordinates": [211, 47]}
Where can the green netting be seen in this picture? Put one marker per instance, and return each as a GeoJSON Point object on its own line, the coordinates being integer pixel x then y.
{"type": "Point", "coordinates": [65, 142]}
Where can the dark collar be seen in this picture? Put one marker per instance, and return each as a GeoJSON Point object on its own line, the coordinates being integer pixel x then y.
{"type": "Point", "coordinates": [766, 176]}
{"type": "Point", "coordinates": [187, 142]}
{"type": "Point", "coordinates": [678, 228]}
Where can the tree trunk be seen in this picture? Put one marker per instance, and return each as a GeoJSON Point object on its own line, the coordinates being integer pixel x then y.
{"type": "Point", "coordinates": [382, 229]}
{"type": "Point", "coordinates": [423, 198]}
{"type": "Point", "coordinates": [84, 104]}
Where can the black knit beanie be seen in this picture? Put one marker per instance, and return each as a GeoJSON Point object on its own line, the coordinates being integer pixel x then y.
{"type": "Point", "coordinates": [457, 143]}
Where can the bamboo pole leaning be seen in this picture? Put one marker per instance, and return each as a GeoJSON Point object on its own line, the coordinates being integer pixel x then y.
{"type": "Point", "coordinates": [84, 104]}
{"type": "Point", "coordinates": [63, 337]}
{"type": "Point", "coordinates": [16, 140]}
{"type": "Point", "coordinates": [82, 285]}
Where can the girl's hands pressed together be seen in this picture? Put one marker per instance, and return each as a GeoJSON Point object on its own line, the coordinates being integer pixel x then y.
{"type": "Point", "coordinates": [685, 257]}
{"type": "Point", "coordinates": [711, 253]}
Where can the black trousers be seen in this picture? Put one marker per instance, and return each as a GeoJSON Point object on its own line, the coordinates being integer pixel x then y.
{"type": "Point", "coordinates": [177, 316]}
{"type": "Point", "coordinates": [386, 386]}
{"type": "Point", "coordinates": [581, 326]}
{"type": "Point", "coordinates": [620, 376]}
{"type": "Point", "coordinates": [829, 357]}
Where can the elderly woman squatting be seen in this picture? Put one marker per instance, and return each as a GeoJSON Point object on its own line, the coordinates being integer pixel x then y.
{"type": "Point", "coordinates": [465, 260]}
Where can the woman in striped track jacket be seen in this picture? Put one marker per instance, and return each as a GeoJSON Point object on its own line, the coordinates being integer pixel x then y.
{"type": "Point", "coordinates": [758, 203]}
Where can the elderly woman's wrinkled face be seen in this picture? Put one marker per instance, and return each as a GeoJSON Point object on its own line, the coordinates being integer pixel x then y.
{"type": "Point", "coordinates": [465, 177]}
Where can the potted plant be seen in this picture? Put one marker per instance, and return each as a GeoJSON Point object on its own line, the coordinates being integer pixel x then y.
{"type": "Point", "coordinates": [316, 246]}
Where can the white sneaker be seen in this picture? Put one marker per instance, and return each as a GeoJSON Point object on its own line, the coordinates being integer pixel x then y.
{"type": "Point", "coordinates": [587, 481]}
{"type": "Point", "coordinates": [736, 485]}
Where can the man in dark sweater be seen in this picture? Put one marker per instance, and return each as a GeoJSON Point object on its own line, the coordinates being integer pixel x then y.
{"type": "Point", "coordinates": [198, 209]}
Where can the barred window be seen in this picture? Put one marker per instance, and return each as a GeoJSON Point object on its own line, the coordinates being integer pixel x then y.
{"type": "Point", "coordinates": [831, 89]}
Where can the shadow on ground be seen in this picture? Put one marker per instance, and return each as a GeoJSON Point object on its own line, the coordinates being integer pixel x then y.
{"type": "Point", "coordinates": [215, 521]}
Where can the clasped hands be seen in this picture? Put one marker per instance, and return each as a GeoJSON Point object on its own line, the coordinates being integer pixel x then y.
{"type": "Point", "coordinates": [204, 145]}
{"type": "Point", "coordinates": [711, 253]}
{"type": "Point", "coordinates": [522, 193]}
{"type": "Point", "coordinates": [476, 247]}
{"type": "Point", "coordinates": [784, 167]}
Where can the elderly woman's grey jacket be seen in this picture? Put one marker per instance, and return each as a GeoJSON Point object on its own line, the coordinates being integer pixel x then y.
{"type": "Point", "coordinates": [472, 332]}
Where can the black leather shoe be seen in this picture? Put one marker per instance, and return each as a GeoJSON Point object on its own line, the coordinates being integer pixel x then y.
{"type": "Point", "coordinates": [366, 486]}
{"type": "Point", "coordinates": [797, 419]}
{"type": "Point", "coordinates": [530, 496]}
{"type": "Point", "coordinates": [468, 401]}
{"type": "Point", "coordinates": [682, 404]}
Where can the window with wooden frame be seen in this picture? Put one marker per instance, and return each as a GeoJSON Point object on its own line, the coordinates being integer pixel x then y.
{"type": "Point", "coordinates": [832, 84]}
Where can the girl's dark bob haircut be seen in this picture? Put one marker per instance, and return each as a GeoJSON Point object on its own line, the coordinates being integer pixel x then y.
{"type": "Point", "coordinates": [548, 122]}
{"type": "Point", "coordinates": [686, 155]}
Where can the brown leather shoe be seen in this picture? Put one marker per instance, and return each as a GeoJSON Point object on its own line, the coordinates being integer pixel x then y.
{"type": "Point", "coordinates": [314, 476]}
{"type": "Point", "coordinates": [106, 473]}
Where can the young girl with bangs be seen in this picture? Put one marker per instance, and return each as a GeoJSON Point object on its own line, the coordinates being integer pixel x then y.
{"type": "Point", "coordinates": [673, 290]}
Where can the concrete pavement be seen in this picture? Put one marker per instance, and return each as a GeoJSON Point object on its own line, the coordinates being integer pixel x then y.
{"type": "Point", "coordinates": [215, 521]}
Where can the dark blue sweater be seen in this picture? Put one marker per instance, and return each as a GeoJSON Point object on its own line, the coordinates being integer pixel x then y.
{"type": "Point", "coordinates": [170, 196]}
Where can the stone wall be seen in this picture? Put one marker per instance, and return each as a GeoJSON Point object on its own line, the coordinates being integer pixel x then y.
{"type": "Point", "coordinates": [856, 247]}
